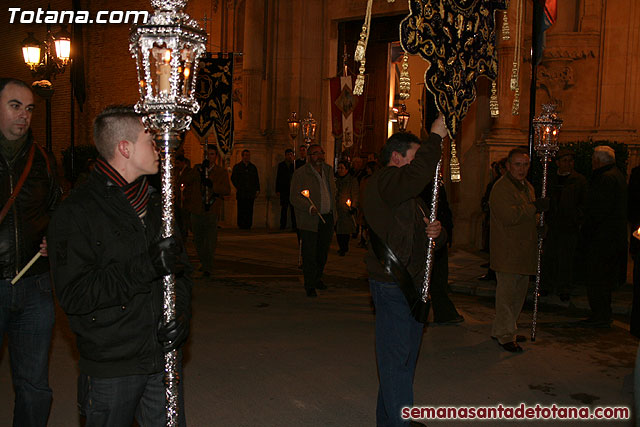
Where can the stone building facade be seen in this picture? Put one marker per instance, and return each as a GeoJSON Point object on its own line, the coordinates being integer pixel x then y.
{"type": "Point", "coordinates": [290, 49]}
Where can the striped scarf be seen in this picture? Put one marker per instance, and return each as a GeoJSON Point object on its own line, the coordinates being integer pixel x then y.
{"type": "Point", "coordinates": [136, 192]}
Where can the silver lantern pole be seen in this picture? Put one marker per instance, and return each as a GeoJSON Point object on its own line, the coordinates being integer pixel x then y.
{"type": "Point", "coordinates": [431, 243]}
{"type": "Point", "coordinates": [167, 49]}
{"type": "Point", "coordinates": [546, 128]}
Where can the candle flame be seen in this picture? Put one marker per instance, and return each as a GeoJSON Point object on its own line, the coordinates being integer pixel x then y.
{"type": "Point", "coordinates": [186, 73]}
{"type": "Point", "coordinates": [349, 202]}
{"type": "Point", "coordinates": [167, 55]}
{"type": "Point", "coordinates": [305, 193]}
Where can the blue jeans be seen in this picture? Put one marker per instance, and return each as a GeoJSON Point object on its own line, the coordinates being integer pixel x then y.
{"type": "Point", "coordinates": [115, 402]}
{"type": "Point", "coordinates": [27, 316]}
{"type": "Point", "coordinates": [398, 338]}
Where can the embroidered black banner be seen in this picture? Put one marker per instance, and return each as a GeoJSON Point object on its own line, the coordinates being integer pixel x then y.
{"type": "Point", "coordinates": [213, 92]}
{"type": "Point", "coordinates": [457, 38]}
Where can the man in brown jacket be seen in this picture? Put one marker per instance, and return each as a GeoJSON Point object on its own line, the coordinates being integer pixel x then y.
{"type": "Point", "coordinates": [399, 217]}
{"type": "Point", "coordinates": [204, 189]}
{"type": "Point", "coordinates": [513, 239]}
{"type": "Point", "coordinates": [316, 177]}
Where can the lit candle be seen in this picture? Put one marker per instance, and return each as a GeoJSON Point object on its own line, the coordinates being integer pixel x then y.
{"type": "Point", "coordinates": [164, 72]}
{"type": "Point", "coordinates": [349, 202]}
{"type": "Point", "coordinates": [305, 193]}
{"type": "Point", "coordinates": [636, 233]}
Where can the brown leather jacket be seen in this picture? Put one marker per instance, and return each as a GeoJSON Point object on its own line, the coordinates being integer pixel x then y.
{"type": "Point", "coordinates": [391, 205]}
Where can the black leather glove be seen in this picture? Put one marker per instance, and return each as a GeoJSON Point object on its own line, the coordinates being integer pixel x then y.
{"type": "Point", "coordinates": [542, 231]}
{"type": "Point", "coordinates": [165, 256]}
{"type": "Point", "coordinates": [542, 205]}
{"type": "Point", "coordinates": [173, 334]}
{"type": "Point", "coordinates": [205, 164]}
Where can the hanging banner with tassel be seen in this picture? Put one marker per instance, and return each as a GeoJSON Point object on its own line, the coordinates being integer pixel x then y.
{"type": "Point", "coordinates": [347, 111]}
{"type": "Point", "coordinates": [361, 49]}
{"type": "Point", "coordinates": [457, 38]}
{"type": "Point", "coordinates": [213, 92]}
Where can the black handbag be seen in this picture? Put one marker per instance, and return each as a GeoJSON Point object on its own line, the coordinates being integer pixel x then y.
{"type": "Point", "coordinates": [389, 260]}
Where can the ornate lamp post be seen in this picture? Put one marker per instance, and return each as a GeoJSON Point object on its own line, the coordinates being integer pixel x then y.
{"type": "Point", "coordinates": [167, 49]}
{"type": "Point", "coordinates": [46, 60]}
{"type": "Point", "coordinates": [402, 116]}
{"type": "Point", "coordinates": [294, 128]}
{"type": "Point", "coordinates": [546, 128]}
{"type": "Point", "coordinates": [309, 129]}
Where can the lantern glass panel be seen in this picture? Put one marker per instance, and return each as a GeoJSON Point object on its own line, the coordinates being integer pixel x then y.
{"type": "Point", "coordinates": [31, 55]}
{"type": "Point", "coordinates": [161, 70]}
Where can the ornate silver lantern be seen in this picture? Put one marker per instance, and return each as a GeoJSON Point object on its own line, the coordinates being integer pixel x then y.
{"type": "Point", "coordinates": [546, 128]}
{"type": "Point", "coordinates": [167, 49]}
{"type": "Point", "coordinates": [309, 125]}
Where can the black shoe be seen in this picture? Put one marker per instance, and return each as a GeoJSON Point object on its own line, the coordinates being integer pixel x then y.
{"type": "Point", "coordinates": [311, 293]}
{"type": "Point", "coordinates": [341, 253]}
{"type": "Point", "coordinates": [488, 277]}
{"type": "Point", "coordinates": [320, 285]}
{"type": "Point", "coordinates": [513, 347]}
{"type": "Point", "coordinates": [452, 321]}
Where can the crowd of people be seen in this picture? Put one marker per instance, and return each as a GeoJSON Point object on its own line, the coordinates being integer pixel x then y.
{"type": "Point", "coordinates": [102, 248]}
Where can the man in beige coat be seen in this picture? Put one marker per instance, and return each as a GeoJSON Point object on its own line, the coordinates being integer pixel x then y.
{"type": "Point", "coordinates": [316, 177]}
{"type": "Point", "coordinates": [513, 245]}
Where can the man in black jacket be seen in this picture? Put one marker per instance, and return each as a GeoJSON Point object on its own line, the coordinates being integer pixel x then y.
{"type": "Point", "coordinates": [604, 234]}
{"type": "Point", "coordinates": [398, 217]}
{"type": "Point", "coordinates": [26, 307]}
{"type": "Point", "coordinates": [108, 259]}
{"type": "Point", "coordinates": [283, 182]}
{"type": "Point", "coordinates": [244, 177]}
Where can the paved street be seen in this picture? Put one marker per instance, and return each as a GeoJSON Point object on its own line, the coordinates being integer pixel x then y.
{"type": "Point", "coordinates": [262, 353]}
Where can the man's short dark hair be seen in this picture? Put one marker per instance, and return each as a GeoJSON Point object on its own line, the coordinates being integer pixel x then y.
{"type": "Point", "coordinates": [399, 142]}
{"type": "Point", "coordinates": [244, 151]}
{"type": "Point", "coordinates": [515, 151]}
{"type": "Point", "coordinates": [212, 147]}
{"type": "Point", "coordinates": [4, 81]}
{"type": "Point", "coordinates": [114, 124]}
{"type": "Point", "coordinates": [287, 151]}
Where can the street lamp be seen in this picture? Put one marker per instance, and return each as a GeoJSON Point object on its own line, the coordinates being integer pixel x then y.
{"type": "Point", "coordinates": [546, 128]}
{"type": "Point", "coordinates": [403, 118]}
{"type": "Point", "coordinates": [46, 60]}
{"type": "Point", "coordinates": [294, 127]}
{"type": "Point", "coordinates": [167, 49]}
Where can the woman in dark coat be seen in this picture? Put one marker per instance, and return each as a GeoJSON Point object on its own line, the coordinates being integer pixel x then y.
{"type": "Point", "coordinates": [346, 204]}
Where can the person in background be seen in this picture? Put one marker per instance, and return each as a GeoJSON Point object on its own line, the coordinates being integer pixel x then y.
{"type": "Point", "coordinates": [283, 184]}
{"type": "Point", "coordinates": [316, 178]}
{"type": "Point", "coordinates": [567, 191]}
{"type": "Point", "coordinates": [347, 190]}
{"type": "Point", "coordinates": [604, 234]}
{"type": "Point", "coordinates": [204, 191]}
{"type": "Point", "coordinates": [244, 177]}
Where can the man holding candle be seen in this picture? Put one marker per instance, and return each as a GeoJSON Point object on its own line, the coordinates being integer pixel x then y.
{"type": "Point", "coordinates": [108, 259]}
{"type": "Point", "coordinates": [28, 195]}
{"type": "Point", "coordinates": [312, 196]}
{"type": "Point", "coordinates": [399, 229]}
